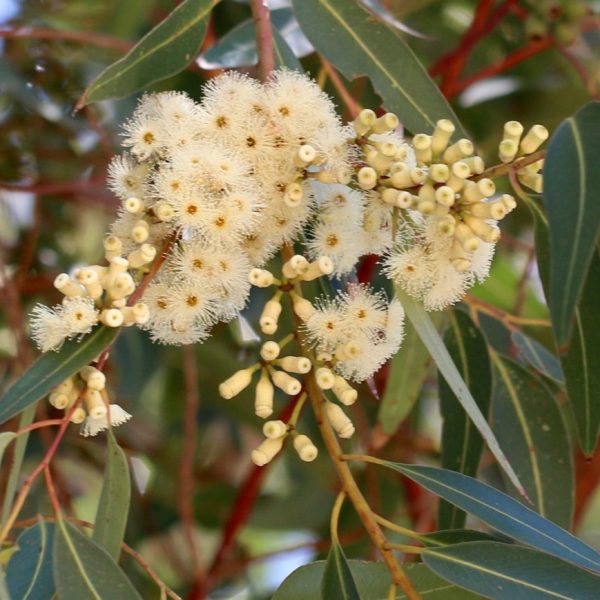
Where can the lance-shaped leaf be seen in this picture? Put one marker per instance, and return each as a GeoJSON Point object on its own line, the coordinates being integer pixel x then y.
{"type": "Point", "coordinates": [29, 571]}
{"type": "Point", "coordinates": [500, 511]}
{"type": "Point", "coordinates": [501, 571]}
{"type": "Point", "coordinates": [372, 582]}
{"type": "Point", "coordinates": [337, 579]}
{"type": "Point", "coordinates": [357, 44]}
{"type": "Point", "coordinates": [538, 356]}
{"type": "Point", "coordinates": [572, 202]}
{"type": "Point", "coordinates": [284, 55]}
{"type": "Point", "coordinates": [434, 343]}
{"type": "Point", "coordinates": [113, 507]}
{"type": "Point", "coordinates": [461, 442]}
{"type": "Point", "coordinates": [84, 570]}
{"type": "Point", "coordinates": [165, 51]}
{"type": "Point", "coordinates": [529, 424]}
{"type": "Point", "coordinates": [448, 537]}
{"type": "Point", "coordinates": [5, 439]}
{"type": "Point", "coordinates": [582, 358]}
{"type": "Point", "coordinates": [407, 372]}
{"type": "Point", "coordinates": [52, 368]}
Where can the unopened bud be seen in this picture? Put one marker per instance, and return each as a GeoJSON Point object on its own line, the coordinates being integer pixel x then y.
{"type": "Point", "coordinates": [385, 123]}
{"type": "Point", "coordinates": [265, 453]}
{"type": "Point", "coordinates": [325, 378]}
{"type": "Point", "coordinates": [306, 154]}
{"type": "Point", "coordinates": [439, 172]}
{"type": "Point", "coordinates": [140, 232]}
{"type": "Point", "coordinates": [293, 195]}
{"type": "Point", "coordinates": [302, 307]}
{"type": "Point", "coordinates": [507, 150]}
{"type": "Point", "coordinates": [343, 391]}
{"type": "Point", "coordinates": [164, 211]}
{"type": "Point", "coordinates": [270, 316]}
{"type": "Point", "coordinates": [94, 403]}
{"type": "Point", "coordinates": [65, 285]}
{"type": "Point", "coordinates": [442, 133]}
{"type": "Point", "coordinates": [133, 205]}
{"type": "Point", "coordinates": [306, 450]}
{"type": "Point", "coordinates": [263, 399]}
{"type": "Point", "coordinates": [239, 381]}
{"type": "Point", "coordinates": [111, 317]}
{"type": "Point", "coordinates": [294, 364]}
{"type": "Point", "coordinates": [297, 265]}
{"type": "Point", "coordinates": [286, 383]}
{"type": "Point", "coordinates": [367, 178]}
{"type": "Point", "coordinates": [59, 400]}
{"type": "Point", "coordinates": [78, 415]}
{"type": "Point", "coordinates": [270, 351]}
{"type": "Point", "coordinates": [513, 130]}
{"type": "Point", "coordinates": [445, 195]}
{"type": "Point", "coordinates": [112, 247]}
{"type": "Point", "coordinates": [422, 147]}
{"type": "Point", "coordinates": [321, 266]}
{"type": "Point", "coordinates": [458, 151]}
{"type": "Point", "coordinates": [260, 278]}
{"type": "Point", "coordinates": [145, 254]}
{"type": "Point", "coordinates": [274, 429]}
{"type": "Point", "coordinates": [365, 120]}
{"type": "Point", "coordinates": [339, 420]}
{"type": "Point", "coordinates": [95, 379]}
{"type": "Point", "coordinates": [533, 139]}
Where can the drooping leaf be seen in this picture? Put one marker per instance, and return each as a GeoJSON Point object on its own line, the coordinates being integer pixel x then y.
{"type": "Point", "coordinates": [448, 537]}
{"type": "Point", "coordinates": [529, 424]}
{"type": "Point", "coordinates": [538, 356]}
{"type": "Point", "coordinates": [372, 581]}
{"type": "Point", "coordinates": [29, 571]}
{"type": "Point", "coordinates": [503, 513]}
{"type": "Point", "coordinates": [429, 335]}
{"type": "Point", "coordinates": [284, 55]}
{"type": "Point", "coordinates": [337, 579]}
{"type": "Point", "coordinates": [581, 362]}
{"type": "Point", "coordinates": [84, 570]}
{"type": "Point", "coordinates": [582, 357]}
{"type": "Point", "coordinates": [357, 44]}
{"type": "Point", "coordinates": [52, 368]}
{"type": "Point", "coordinates": [237, 48]}
{"type": "Point", "coordinates": [572, 202]}
{"type": "Point", "coordinates": [501, 571]}
{"type": "Point", "coordinates": [165, 51]}
{"type": "Point", "coordinates": [5, 439]}
{"type": "Point", "coordinates": [407, 372]}
{"type": "Point", "coordinates": [461, 442]}
{"type": "Point", "coordinates": [113, 507]}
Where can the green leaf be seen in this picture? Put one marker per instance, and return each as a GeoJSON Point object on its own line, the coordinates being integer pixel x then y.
{"type": "Point", "coordinates": [448, 537]}
{"type": "Point", "coordinates": [337, 579]}
{"type": "Point", "coordinates": [113, 507]}
{"type": "Point", "coordinates": [52, 368]}
{"type": "Point", "coordinates": [509, 571]}
{"type": "Point", "coordinates": [237, 48]}
{"type": "Point", "coordinates": [581, 362]}
{"type": "Point", "coordinates": [284, 55]}
{"type": "Point", "coordinates": [165, 51]}
{"type": "Point", "coordinates": [29, 571]}
{"type": "Point", "coordinates": [5, 439]}
{"type": "Point", "coordinates": [582, 358]}
{"type": "Point", "coordinates": [357, 44]}
{"type": "Point", "coordinates": [500, 511]}
{"type": "Point", "coordinates": [372, 581]}
{"type": "Point", "coordinates": [572, 202]}
{"type": "Point", "coordinates": [538, 356]}
{"type": "Point", "coordinates": [84, 570]}
{"type": "Point", "coordinates": [461, 442]}
{"type": "Point", "coordinates": [529, 424]}
{"type": "Point", "coordinates": [407, 372]}
{"type": "Point", "coordinates": [421, 320]}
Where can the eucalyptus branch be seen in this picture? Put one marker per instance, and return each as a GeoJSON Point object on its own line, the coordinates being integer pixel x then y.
{"type": "Point", "coordinates": [264, 38]}
{"type": "Point", "coordinates": [506, 168]}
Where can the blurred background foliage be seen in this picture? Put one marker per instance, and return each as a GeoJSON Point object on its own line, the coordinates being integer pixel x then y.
{"type": "Point", "coordinates": [55, 209]}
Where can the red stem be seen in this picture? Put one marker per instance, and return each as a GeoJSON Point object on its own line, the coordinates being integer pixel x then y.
{"type": "Point", "coordinates": [264, 38]}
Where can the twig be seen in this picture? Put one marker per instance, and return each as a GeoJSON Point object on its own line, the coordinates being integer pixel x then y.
{"type": "Point", "coordinates": [505, 168]}
{"type": "Point", "coordinates": [186, 464]}
{"type": "Point", "coordinates": [264, 38]}
{"type": "Point", "coordinates": [352, 106]}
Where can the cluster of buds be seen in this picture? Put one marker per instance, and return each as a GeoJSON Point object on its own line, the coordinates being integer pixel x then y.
{"type": "Point", "coordinates": [275, 433]}
{"type": "Point", "coordinates": [562, 19]}
{"type": "Point", "coordinates": [515, 145]}
{"type": "Point", "coordinates": [88, 387]}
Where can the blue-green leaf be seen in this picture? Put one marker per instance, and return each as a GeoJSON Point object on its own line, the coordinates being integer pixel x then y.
{"type": "Point", "coordinates": [503, 513]}
{"type": "Point", "coordinates": [29, 571]}
{"type": "Point", "coordinates": [529, 424]}
{"type": "Point", "coordinates": [538, 356]}
{"type": "Point", "coordinates": [461, 442]}
{"type": "Point", "coordinates": [372, 582]}
{"type": "Point", "coordinates": [355, 43]}
{"type": "Point", "coordinates": [52, 368]}
{"type": "Point", "coordinates": [337, 579]}
{"type": "Point", "coordinates": [165, 51]}
{"type": "Point", "coordinates": [572, 202]}
{"type": "Point", "coordinates": [113, 507]}
{"type": "Point", "coordinates": [503, 571]}
{"type": "Point", "coordinates": [85, 571]}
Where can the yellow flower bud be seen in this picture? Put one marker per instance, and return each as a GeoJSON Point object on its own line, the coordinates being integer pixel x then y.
{"type": "Point", "coordinates": [134, 206]}
{"type": "Point", "coordinates": [239, 381]}
{"type": "Point", "coordinates": [385, 123]}
{"type": "Point", "coordinates": [263, 400]}
{"type": "Point", "coordinates": [365, 120]}
{"type": "Point", "coordinates": [274, 429]}
{"type": "Point", "coordinates": [367, 178]}
{"type": "Point", "coordinates": [458, 151]}
{"type": "Point", "coordinates": [422, 146]}
{"type": "Point", "coordinates": [297, 265]}
{"type": "Point", "coordinates": [302, 307]}
{"type": "Point", "coordinates": [265, 453]}
{"type": "Point", "coordinates": [140, 232]}
{"type": "Point", "coordinates": [78, 415]}
{"type": "Point", "coordinates": [145, 254]}
{"type": "Point", "coordinates": [294, 364]}
{"type": "Point", "coordinates": [59, 400]}
{"type": "Point", "coordinates": [270, 315]}
{"type": "Point", "coordinates": [164, 211]}
{"type": "Point", "coordinates": [325, 378]}
{"type": "Point", "coordinates": [343, 391]}
{"type": "Point", "coordinates": [65, 285]}
{"type": "Point", "coordinates": [322, 266]}
{"type": "Point", "coordinates": [260, 278]}
{"type": "Point", "coordinates": [94, 403]}
{"type": "Point", "coordinates": [442, 133]}
{"type": "Point", "coordinates": [507, 150]}
{"type": "Point", "coordinates": [439, 172]}
{"type": "Point", "coordinates": [111, 317]}
{"type": "Point", "coordinates": [270, 351]}
{"type": "Point", "coordinates": [445, 195]}
{"type": "Point", "coordinates": [286, 383]}
{"type": "Point", "coordinates": [339, 420]}
{"type": "Point", "coordinates": [513, 130]}
{"type": "Point", "coordinates": [533, 139]}
{"type": "Point", "coordinates": [306, 450]}
{"type": "Point", "coordinates": [112, 247]}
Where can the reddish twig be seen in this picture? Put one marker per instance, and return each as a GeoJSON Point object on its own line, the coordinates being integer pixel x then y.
{"type": "Point", "coordinates": [80, 37]}
{"type": "Point", "coordinates": [352, 106]}
{"type": "Point", "coordinates": [264, 38]}
{"type": "Point", "coordinates": [186, 464]}
{"type": "Point", "coordinates": [51, 188]}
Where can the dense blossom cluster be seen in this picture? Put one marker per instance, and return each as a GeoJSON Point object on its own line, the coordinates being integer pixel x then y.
{"type": "Point", "coordinates": [213, 190]}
